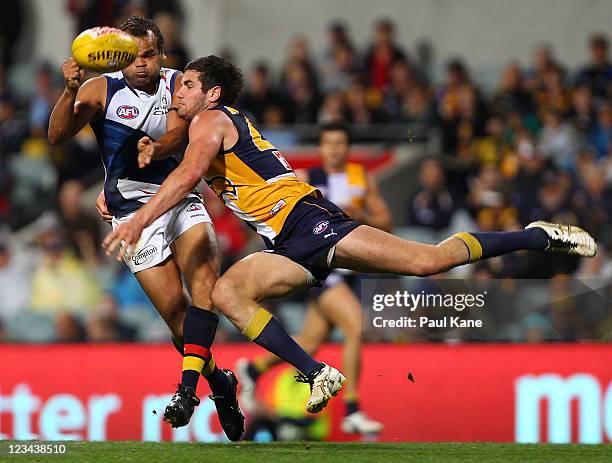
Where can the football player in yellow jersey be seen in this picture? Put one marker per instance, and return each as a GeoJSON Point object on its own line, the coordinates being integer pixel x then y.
{"type": "Point", "coordinates": [306, 234]}
{"type": "Point", "coordinates": [349, 186]}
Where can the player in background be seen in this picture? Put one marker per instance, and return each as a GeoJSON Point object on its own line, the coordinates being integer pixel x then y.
{"type": "Point", "coordinates": [130, 111]}
{"type": "Point", "coordinates": [306, 235]}
{"type": "Point", "coordinates": [348, 185]}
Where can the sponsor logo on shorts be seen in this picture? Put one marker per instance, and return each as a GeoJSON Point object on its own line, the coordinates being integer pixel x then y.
{"type": "Point", "coordinates": [320, 227]}
{"type": "Point", "coordinates": [145, 255]}
{"type": "Point", "coordinates": [194, 207]}
{"type": "Point", "coordinates": [332, 233]}
{"type": "Point", "coordinates": [127, 112]}
{"type": "Point", "coordinates": [277, 207]}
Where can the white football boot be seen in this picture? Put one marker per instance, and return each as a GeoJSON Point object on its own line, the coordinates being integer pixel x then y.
{"type": "Point", "coordinates": [326, 383]}
{"type": "Point", "coordinates": [567, 238]}
{"type": "Point", "coordinates": [360, 423]}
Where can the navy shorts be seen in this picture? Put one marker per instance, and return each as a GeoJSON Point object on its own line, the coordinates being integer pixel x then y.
{"type": "Point", "coordinates": [313, 227]}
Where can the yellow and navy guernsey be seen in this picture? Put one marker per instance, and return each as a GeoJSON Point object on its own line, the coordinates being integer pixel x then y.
{"type": "Point", "coordinates": [345, 189]}
{"type": "Point", "coordinates": [254, 180]}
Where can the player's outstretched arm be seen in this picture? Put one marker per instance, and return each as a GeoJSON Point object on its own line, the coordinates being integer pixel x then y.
{"type": "Point", "coordinates": [206, 135]}
{"type": "Point", "coordinates": [78, 105]}
{"type": "Point", "coordinates": [169, 143]}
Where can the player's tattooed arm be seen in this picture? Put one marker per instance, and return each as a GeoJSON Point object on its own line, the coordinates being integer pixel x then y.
{"type": "Point", "coordinates": [173, 141]}
{"type": "Point", "coordinates": [78, 105]}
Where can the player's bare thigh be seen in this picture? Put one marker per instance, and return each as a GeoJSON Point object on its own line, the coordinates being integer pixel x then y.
{"type": "Point", "coordinates": [369, 250]}
{"type": "Point", "coordinates": [257, 277]}
{"type": "Point", "coordinates": [195, 256]}
{"type": "Point", "coordinates": [196, 253]}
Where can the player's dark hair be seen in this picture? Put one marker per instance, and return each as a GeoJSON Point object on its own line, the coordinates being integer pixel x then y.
{"type": "Point", "coordinates": [335, 127]}
{"type": "Point", "coordinates": [215, 71]}
{"type": "Point", "coordinates": [140, 27]}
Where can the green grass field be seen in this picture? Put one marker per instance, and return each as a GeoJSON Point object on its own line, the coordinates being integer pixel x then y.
{"type": "Point", "coordinates": [127, 452]}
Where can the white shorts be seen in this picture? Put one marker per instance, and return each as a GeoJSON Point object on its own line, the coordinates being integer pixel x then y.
{"type": "Point", "coordinates": [154, 244]}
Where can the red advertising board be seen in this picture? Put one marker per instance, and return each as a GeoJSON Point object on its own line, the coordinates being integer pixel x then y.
{"type": "Point", "coordinates": [472, 392]}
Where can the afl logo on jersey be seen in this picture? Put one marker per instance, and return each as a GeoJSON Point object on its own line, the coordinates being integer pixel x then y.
{"type": "Point", "coordinates": [127, 112]}
{"type": "Point", "coordinates": [320, 227]}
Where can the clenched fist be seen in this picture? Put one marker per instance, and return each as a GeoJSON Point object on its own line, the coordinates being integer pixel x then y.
{"type": "Point", "coordinates": [146, 151]}
{"type": "Point", "coordinates": [73, 75]}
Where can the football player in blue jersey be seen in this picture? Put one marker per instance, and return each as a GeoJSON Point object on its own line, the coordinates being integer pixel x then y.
{"type": "Point", "coordinates": [131, 111]}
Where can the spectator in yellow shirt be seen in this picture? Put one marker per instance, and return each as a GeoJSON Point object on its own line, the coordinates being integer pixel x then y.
{"type": "Point", "coordinates": [61, 281]}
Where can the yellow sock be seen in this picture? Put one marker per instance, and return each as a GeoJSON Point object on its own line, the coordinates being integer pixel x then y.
{"type": "Point", "coordinates": [473, 245]}
{"type": "Point", "coordinates": [256, 325]}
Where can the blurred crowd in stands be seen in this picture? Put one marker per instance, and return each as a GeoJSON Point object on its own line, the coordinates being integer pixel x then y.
{"type": "Point", "coordinates": [539, 146]}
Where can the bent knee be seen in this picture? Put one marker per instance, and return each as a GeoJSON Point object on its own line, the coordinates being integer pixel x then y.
{"type": "Point", "coordinates": [201, 292]}
{"type": "Point", "coordinates": [225, 295]}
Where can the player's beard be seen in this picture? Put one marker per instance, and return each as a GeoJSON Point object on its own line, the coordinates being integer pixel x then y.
{"type": "Point", "coordinates": [189, 112]}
